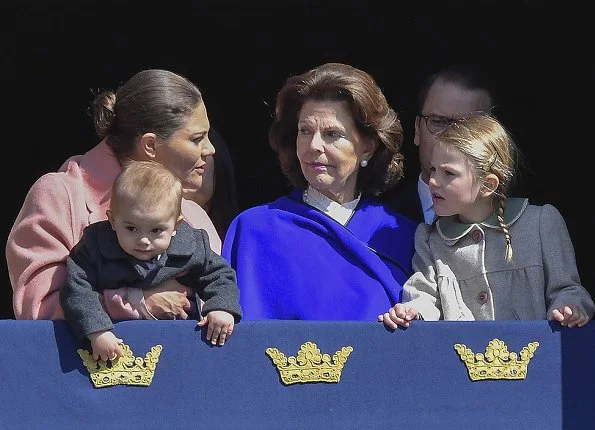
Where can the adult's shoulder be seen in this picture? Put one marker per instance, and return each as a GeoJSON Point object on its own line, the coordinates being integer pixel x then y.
{"type": "Point", "coordinates": [51, 189]}
{"type": "Point", "coordinates": [281, 204]}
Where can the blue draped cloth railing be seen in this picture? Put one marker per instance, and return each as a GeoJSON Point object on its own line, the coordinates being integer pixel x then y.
{"type": "Point", "coordinates": [410, 378]}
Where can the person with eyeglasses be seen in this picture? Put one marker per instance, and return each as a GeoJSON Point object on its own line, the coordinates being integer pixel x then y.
{"type": "Point", "coordinates": [489, 256]}
{"type": "Point", "coordinates": [453, 92]}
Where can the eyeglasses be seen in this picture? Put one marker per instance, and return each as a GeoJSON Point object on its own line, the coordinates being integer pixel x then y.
{"type": "Point", "coordinates": [436, 123]}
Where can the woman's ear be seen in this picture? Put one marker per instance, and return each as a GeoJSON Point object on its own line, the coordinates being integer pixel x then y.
{"type": "Point", "coordinates": [146, 145]}
{"type": "Point", "coordinates": [371, 146]}
{"type": "Point", "coordinates": [490, 185]}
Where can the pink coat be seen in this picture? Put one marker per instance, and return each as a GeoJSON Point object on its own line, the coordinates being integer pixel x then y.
{"type": "Point", "coordinates": [57, 208]}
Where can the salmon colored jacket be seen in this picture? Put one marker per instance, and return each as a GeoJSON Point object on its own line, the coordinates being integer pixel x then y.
{"type": "Point", "coordinates": [57, 208]}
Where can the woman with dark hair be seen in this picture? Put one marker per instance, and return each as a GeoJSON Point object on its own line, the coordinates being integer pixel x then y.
{"type": "Point", "coordinates": [329, 250]}
{"type": "Point", "coordinates": [156, 115]}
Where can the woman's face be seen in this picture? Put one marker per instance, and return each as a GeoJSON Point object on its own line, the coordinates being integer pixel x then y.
{"type": "Point", "coordinates": [186, 152]}
{"type": "Point", "coordinates": [330, 148]}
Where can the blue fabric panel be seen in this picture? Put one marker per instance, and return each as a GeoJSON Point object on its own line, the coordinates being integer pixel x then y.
{"type": "Point", "coordinates": [409, 378]}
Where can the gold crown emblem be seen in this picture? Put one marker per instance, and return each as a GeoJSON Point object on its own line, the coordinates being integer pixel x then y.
{"type": "Point", "coordinates": [125, 370]}
{"type": "Point", "coordinates": [497, 363]}
{"type": "Point", "coordinates": [309, 365]}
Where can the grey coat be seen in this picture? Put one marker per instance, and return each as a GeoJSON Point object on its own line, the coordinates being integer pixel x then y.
{"type": "Point", "coordinates": [462, 272]}
{"type": "Point", "coordinates": [97, 262]}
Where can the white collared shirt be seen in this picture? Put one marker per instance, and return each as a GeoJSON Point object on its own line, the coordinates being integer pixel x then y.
{"type": "Point", "coordinates": [425, 197]}
{"type": "Point", "coordinates": [339, 212]}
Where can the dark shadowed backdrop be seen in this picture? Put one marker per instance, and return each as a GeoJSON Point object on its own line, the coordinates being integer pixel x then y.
{"type": "Point", "coordinates": [54, 53]}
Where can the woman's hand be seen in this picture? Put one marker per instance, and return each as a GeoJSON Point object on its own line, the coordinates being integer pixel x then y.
{"type": "Point", "coordinates": [169, 300]}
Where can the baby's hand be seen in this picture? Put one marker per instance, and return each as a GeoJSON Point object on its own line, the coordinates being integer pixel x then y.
{"type": "Point", "coordinates": [105, 345]}
{"type": "Point", "coordinates": [399, 315]}
{"type": "Point", "coordinates": [220, 326]}
{"type": "Point", "coordinates": [570, 316]}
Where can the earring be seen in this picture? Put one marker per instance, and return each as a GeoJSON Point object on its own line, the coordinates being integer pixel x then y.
{"type": "Point", "coordinates": [363, 163]}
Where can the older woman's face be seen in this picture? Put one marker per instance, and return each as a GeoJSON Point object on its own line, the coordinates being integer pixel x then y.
{"type": "Point", "coordinates": [330, 148]}
{"type": "Point", "coordinates": [186, 152]}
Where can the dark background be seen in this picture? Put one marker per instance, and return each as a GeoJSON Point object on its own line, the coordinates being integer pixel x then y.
{"type": "Point", "coordinates": [54, 53]}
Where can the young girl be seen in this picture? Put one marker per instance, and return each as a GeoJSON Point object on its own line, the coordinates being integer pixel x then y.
{"type": "Point", "coordinates": [465, 265]}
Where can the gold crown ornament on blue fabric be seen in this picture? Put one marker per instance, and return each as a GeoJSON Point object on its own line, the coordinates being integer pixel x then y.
{"type": "Point", "coordinates": [497, 362]}
{"type": "Point", "coordinates": [125, 370]}
{"type": "Point", "coordinates": [309, 365]}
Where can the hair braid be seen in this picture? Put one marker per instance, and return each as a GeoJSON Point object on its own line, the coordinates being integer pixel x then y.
{"type": "Point", "coordinates": [500, 212]}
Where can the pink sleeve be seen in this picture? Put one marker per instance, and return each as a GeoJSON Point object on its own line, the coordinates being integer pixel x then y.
{"type": "Point", "coordinates": [38, 244]}
{"type": "Point", "coordinates": [36, 249]}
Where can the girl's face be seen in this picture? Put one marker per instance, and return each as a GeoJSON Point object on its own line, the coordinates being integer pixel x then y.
{"type": "Point", "coordinates": [454, 187]}
{"type": "Point", "coordinates": [185, 153]}
{"type": "Point", "coordinates": [330, 148]}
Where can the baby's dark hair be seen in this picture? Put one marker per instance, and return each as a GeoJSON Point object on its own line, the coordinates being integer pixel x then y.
{"type": "Point", "coordinates": [490, 149]}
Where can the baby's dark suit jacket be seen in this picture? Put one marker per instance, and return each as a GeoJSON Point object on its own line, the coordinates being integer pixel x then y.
{"type": "Point", "coordinates": [97, 262]}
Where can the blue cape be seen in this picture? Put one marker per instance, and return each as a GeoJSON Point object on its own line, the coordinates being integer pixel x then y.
{"type": "Point", "coordinates": [294, 262]}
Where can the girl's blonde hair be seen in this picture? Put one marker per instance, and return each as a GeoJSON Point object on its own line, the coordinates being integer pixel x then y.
{"type": "Point", "coordinates": [149, 184]}
{"type": "Point", "coordinates": [490, 149]}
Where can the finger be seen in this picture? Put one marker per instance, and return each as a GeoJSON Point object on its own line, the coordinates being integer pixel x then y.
{"type": "Point", "coordinates": [584, 320]}
{"type": "Point", "coordinates": [399, 311]}
{"type": "Point", "coordinates": [210, 333]}
{"type": "Point", "coordinates": [222, 338]}
{"type": "Point", "coordinates": [557, 315]}
{"type": "Point", "coordinates": [387, 320]}
{"type": "Point", "coordinates": [411, 314]}
{"type": "Point", "coordinates": [567, 312]}
{"type": "Point", "coordinates": [186, 304]}
{"type": "Point", "coordinates": [182, 315]}
{"type": "Point", "coordinates": [576, 318]}
{"type": "Point", "coordinates": [398, 317]}
{"type": "Point", "coordinates": [202, 322]}
{"type": "Point", "coordinates": [229, 332]}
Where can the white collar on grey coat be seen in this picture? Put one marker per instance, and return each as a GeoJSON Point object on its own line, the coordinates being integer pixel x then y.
{"type": "Point", "coordinates": [451, 229]}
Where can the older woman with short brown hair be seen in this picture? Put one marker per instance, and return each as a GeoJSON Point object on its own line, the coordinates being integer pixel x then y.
{"type": "Point", "coordinates": [329, 250]}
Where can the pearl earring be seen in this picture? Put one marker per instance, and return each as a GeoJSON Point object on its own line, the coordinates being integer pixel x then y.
{"type": "Point", "coordinates": [363, 163]}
